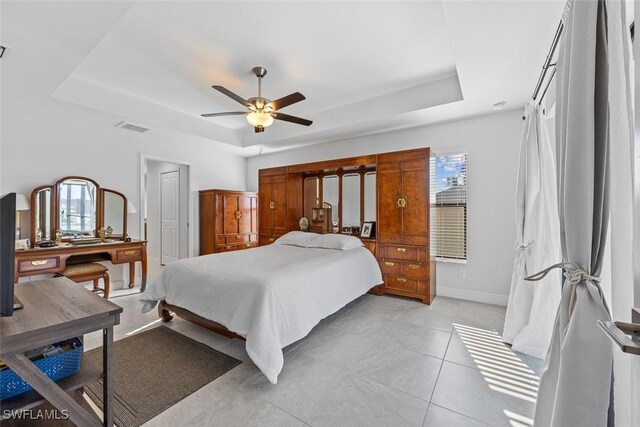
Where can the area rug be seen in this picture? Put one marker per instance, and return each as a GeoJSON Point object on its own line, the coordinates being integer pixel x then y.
{"type": "Point", "coordinates": [154, 370]}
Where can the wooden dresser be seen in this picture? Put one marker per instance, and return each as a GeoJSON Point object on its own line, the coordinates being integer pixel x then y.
{"type": "Point", "coordinates": [402, 205]}
{"type": "Point", "coordinates": [228, 221]}
{"type": "Point", "coordinates": [403, 224]}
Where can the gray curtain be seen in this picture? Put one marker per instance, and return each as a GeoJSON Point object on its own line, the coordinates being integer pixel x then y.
{"type": "Point", "coordinates": [575, 388]}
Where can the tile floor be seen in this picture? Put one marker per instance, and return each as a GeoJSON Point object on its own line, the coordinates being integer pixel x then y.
{"type": "Point", "coordinates": [380, 361]}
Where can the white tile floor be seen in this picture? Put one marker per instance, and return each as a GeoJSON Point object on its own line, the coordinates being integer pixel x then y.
{"type": "Point", "coordinates": [380, 361]}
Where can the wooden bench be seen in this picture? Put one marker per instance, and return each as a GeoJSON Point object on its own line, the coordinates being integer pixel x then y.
{"type": "Point", "coordinates": [88, 272]}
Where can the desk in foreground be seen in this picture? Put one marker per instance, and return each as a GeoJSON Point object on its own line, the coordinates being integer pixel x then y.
{"type": "Point", "coordinates": [55, 310]}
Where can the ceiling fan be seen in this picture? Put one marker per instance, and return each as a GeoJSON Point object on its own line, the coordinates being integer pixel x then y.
{"type": "Point", "coordinates": [262, 111]}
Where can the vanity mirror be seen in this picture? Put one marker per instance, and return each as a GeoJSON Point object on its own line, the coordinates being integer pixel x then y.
{"type": "Point", "coordinates": [77, 207]}
{"type": "Point", "coordinates": [42, 214]}
{"type": "Point", "coordinates": [115, 213]}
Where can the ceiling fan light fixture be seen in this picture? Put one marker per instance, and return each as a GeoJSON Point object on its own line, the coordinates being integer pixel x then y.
{"type": "Point", "coordinates": [261, 119]}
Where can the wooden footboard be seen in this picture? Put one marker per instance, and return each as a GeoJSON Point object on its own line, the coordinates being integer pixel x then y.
{"type": "Point", "coordinates": [164, 309]}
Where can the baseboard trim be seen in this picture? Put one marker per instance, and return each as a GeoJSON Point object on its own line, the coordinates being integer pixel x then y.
{"type": "Point", "coordinates": [469, 295]}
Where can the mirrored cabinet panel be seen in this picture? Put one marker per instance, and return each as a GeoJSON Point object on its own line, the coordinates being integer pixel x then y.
{"type": "Point", "coordinates": [330, 198]}
{"type": "Point", "coordinates": [351, 200]}
{"type": "Point", "coordinates": [369, 196]}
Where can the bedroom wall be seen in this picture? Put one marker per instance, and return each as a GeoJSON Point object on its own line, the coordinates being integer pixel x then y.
{"type": "Point", "coordinates": [43, 138]}
{"type": "Point", "coordinates": [492, 143]}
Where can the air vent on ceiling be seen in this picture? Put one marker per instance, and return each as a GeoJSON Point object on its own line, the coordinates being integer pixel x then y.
{"type": "Point", "coordinates": [129, 126]}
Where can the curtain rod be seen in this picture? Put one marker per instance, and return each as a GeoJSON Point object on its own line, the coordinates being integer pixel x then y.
{"type": "Point", "coordinates": [547, 64]}
{"type": "Point", "coordinates": [554, 45]}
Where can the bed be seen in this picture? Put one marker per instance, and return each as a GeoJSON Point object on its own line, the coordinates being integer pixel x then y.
{"type": "Point", "coordinates": [271, 296]}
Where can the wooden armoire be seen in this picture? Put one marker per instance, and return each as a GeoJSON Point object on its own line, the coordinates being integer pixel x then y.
{"type": "Point", "coordinates": [403, 223]}
{"type": "Point", "coordinates": [401, 244]}
{"type": "Point", "coordinates": [228, 221]}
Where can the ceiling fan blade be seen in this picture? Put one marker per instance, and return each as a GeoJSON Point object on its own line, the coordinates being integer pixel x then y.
{"type": "Point", "coordinates": [287, 100]}
{"type": "Point", "coordinates": [258, 129]}
{"type": "Point", "coordinates": [292, 119]}
{"type": "Point", "coordinates": [230, 113]}
{"type": "Point", "coordinates": [231, 95]}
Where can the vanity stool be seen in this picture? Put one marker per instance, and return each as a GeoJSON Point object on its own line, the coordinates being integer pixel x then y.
{"type": "Point", "coordinates": [86, 272]}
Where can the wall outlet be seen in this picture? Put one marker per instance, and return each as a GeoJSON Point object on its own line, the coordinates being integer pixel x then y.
{"type": "Point", "coordinates": [462, 273]}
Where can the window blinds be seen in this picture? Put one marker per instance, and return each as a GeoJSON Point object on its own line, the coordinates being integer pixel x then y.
{"type": "Point", "coordinates": [449, 206]}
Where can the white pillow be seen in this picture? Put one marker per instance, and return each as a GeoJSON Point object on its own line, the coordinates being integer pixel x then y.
{"type": "Point", "coordinates": [296, 238]}
{"type": "Point", "coordinates": [341, 242]}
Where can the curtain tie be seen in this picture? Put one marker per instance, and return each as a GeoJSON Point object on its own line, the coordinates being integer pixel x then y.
{"type": "Point", "coordinates": [574, 275]}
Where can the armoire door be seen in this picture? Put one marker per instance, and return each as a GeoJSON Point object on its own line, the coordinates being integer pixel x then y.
{"type": "Point", "coordinates": [265, 191]}
{"type": "Point", "coordinates": [389, 184]}
{"type": "Point", "coordinates": [248, 217]}
{"type": "Point", "coordinates": [403, 197]}
{"type": "Point", "coordinates": [228, 221]}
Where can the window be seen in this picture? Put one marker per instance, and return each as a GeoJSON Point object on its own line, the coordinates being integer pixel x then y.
{"type": "Point", "coordinates": [449, 207]}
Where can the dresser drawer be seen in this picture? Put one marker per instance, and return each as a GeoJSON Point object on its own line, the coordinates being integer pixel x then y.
{"type": "Point", "coordinates": [390, 267]}
{"type": "Point", "coordinates": [405, 283]}
{"type": "Point", "coordinates": [232, 238]}
{"type": "Point", "coordinates": [405, 268]}
{"type": "Point", "coordinates": [403, 253]}
{"type": "Point", "coordinates": [123, 255]}
{"type": "Point", "coordinates": [415, 269]}
{"type": "Point", "coordinates": [38, 265]}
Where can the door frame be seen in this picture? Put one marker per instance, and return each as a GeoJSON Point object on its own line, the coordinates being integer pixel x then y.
{"type": "Point", "coordinates": [190, 197]}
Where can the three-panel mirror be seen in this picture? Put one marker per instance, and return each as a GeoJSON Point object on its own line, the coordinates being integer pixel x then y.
{"type": "Point", "coordinates": [76, 207]}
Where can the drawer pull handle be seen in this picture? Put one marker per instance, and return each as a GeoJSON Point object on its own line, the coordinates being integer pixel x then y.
{"type": "Point", "coordinates": [402, 250]}
{"type": "Point", "coordinates": [414, 266]}
{"type": "Point", "coordinates": [238, 215]}
{"type": "Point", "coordinates": [271, 239]}
{"type": "Point", "coordinates": [402, 202]}
{"type": "Point", "coordinates": [129, 253]}
{"type": "Point", "coordinates": [40, 262]}
{"type": "Point", "coordinates": [389, 264]}
{"type": "Point", "coordinates": [272, 205]}
{"type": "Point", "coordinates": [228, 247]}
{"type": "Point", "coordinates": [248, 245]}
{"type": "Point", "coordinates": [401, 280]}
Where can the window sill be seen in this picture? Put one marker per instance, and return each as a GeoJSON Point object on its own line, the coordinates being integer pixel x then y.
{"type": "Point", "coordinates": [451, 260]}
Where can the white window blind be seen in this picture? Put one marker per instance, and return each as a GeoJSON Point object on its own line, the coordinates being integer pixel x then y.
{"type": "Point", "coordinates": [449, 207]}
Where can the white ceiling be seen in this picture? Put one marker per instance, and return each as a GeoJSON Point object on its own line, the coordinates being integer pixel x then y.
{"type": "Point", "coordinates": [365, 67]}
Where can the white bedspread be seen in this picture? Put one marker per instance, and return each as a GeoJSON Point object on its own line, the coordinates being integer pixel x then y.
{"type": "Point", "coordinates": [272, 295]}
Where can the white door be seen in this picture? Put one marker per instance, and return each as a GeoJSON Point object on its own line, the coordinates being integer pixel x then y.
{"type": "Point", "coordinates": [170, 211]}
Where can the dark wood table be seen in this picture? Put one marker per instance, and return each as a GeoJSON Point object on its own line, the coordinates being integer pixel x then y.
{"type": "Point", "coordinates": [34, 261]}
{"type": "Point", "coordinates": [55, 310]}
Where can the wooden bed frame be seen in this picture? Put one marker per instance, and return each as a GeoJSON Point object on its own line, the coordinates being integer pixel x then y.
{"type": "Point", "coordinates": [163, 312]}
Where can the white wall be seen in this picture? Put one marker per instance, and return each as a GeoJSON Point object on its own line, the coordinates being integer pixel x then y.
{"type": "Point", "coordinates": [43, 138]}
{"type": "Point", "coordinates": [493, 143]}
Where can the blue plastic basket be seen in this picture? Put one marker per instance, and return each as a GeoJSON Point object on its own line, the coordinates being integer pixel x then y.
{"type": "Point", "coordinates": [55, 367]}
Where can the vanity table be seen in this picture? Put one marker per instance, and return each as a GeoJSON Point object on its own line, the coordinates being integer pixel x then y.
{"type": "Point", "coordinates": [30, 262]}
{"type": "Point", "coordinates": [71, 210]}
